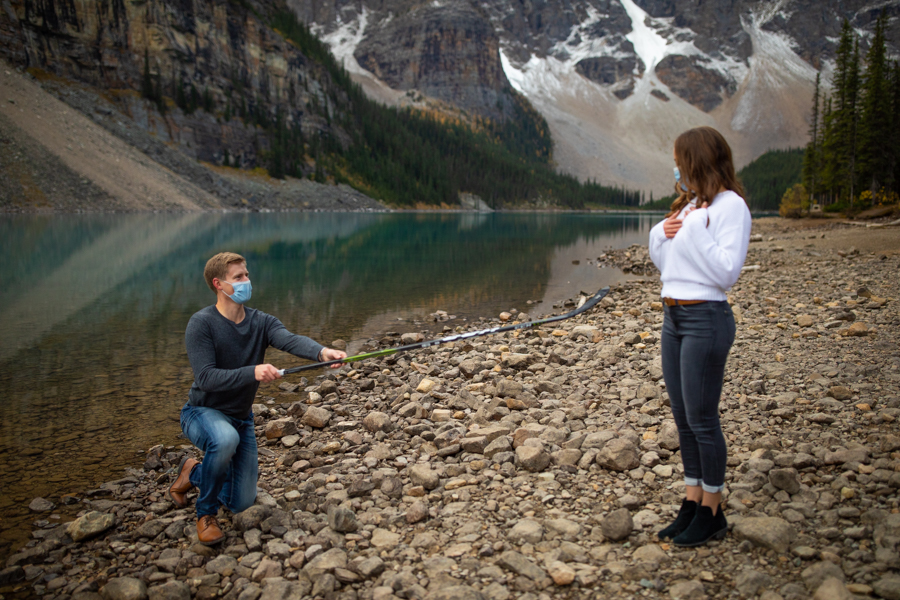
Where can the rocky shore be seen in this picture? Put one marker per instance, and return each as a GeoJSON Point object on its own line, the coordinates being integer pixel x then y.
{"type": "Point", "coordinates": [540, 464]}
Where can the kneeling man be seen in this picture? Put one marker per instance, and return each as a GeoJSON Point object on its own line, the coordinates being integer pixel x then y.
{"type": "Point", "coordinates": [226, 344]}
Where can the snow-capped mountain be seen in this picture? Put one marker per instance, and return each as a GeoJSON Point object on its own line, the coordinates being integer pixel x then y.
{"type": "Point", "coordinates": [616, 80]}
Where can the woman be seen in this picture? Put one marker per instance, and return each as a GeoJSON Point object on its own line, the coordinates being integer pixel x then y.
{"type": "Point", "coordinates": [699, 249]}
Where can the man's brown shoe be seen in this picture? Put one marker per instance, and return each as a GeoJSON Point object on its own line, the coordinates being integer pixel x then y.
{"type": "Point", "coordinates": [208, 531]}
{"type": "Point", "coordinates": [182, 485]}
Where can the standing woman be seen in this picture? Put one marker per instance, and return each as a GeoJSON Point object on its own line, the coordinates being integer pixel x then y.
{"type": "Point", "coordinates": [700, 249]}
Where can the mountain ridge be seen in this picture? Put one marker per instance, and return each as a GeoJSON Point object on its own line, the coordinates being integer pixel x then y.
{"type": "Point", "coordinates": [617, 80]}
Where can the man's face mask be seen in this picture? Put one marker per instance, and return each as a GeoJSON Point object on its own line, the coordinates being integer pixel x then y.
{"type": "Point", "coordinates": [242, 291]}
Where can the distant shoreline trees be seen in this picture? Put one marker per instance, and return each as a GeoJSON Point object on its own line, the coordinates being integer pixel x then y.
{"type": "Point", "coordinates": [853, 157]}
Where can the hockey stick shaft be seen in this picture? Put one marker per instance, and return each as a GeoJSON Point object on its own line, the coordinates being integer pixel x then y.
{"type": "Point", "coordinates": [588, 304]}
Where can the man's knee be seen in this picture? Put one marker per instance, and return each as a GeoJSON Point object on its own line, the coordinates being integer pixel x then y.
{"type": "Point", "coordinates": [225, 441]}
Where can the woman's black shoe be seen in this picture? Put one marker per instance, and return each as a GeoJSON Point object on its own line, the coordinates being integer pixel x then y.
{"type": "Point", "coordinates": [682, 521]}
{"type": "Point", "coordinates": [705, 526]}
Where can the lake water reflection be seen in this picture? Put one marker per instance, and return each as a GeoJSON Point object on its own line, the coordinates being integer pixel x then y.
{"type": "Point", "coordinates": [92, 362]}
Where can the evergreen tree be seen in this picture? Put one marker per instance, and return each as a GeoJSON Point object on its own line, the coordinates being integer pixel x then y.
{"type": "Point", "coordinates": [875, 117]}
{"type": "Point", "coordinates": [894, 184]}
{"type": "Point", "coordinates": [829, 158]}
{"type": "Point", "coordinates": [845, 92]}
{"type": "Point", "coordinates": [811, 155]}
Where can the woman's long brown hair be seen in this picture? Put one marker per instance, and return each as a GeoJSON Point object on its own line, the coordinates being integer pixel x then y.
{"type": "Point", "coordinates": [704, 159]}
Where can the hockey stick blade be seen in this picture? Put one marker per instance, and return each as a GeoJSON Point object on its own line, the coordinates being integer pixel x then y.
{"type": "Point", "coordinates": [586, 306]}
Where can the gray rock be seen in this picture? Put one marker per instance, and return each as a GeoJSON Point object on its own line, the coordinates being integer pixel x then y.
{"type": "Point", "coordinates": [517, 361]}
{"type": "Point", "coordinates": [768, 532]}
{"type": "Point", "coordinates": [648, 391]}
{"type": "Point", "coordinates": [124, 588]}
{"type": "Point", "coordinates": [474, 445]}
{"type": "Point", "coordinates": [566, 457]}
{"type": "Point", "coordinates": [418, 511]}
{"type": "Point", "coordinates": [526, 531]}
{"type": "Point", "coordinates": [342, 519]}
{"type": "Point", "coordinates": [532, 459]}
{"type": "Point", "coordinates": [151, 529]}
{"type": "Point", "coordinates": [266, 569]}
{"type": "Point", "coordinates": [422, 474]}
{"type": "Point", "coordinates": [316, 417]}
{"type": "Point", "coordinates": [223, 564]}
{"type": "Point", "coordinates": [785, 479]}
{"type": "Point", "coordinates": [326, 562]}
{"type": "Point", "coordinates": [251, 518]}
{"type": "Point", "coordinates": [171, 590]}
{"type": "Point", "coordinates": [500, 444]}
{"type": "Point", "coordinates": [597, 439]}
{"type": "Point", "coordinates": [382, 538]}
{"type": "Point", "coordinates": [568, 530]}
{"type": "Point", "coordinates": [749, 583]}
{"type": "Point", "coordinates": [40, 505]}
{"type": "Point", "coordinates": [518, 563]}
{"type": "Point", "coordinates": [378, 421]}
{"type": "Point", "coordinates": [617, 525]}
{"type": "Point", "coordinates": [278, 549]}
{"type": "Point", "coordinates": [90, 525]}
{"type": "Point", "coordinates": [280, 589]}
{"type": "Point", "coordinates": [832, 589]}
{"type": "Point", "coordinates": [470, 367]}
{"type": "Point", "coordinates": [507, 388]}
{"type": "Point", "coordinates": [888, 587]}
{"type": "Point", "coordinates": [618, 455]}
{"type": "Point", "coordinates": [455, 592]}
{"type": "Point", "coordinates": [279, 428]}
{"type": "Point", "coordinates": [370, 567]}
{"type": "Point", "coordinates": [651, 553]}
{"type": "Point", "coordinates": [815, 574]}
{"type": "Point", "coordinates": [323, 585]}
{"type": "Point", "coordinates": [687, 590]}
{"type": "Point", "coordinates": [840, 457]}
{"type": "Point", "coordinates": [667, 437]}
{"type": "Point", "coordinates": [840, 392]}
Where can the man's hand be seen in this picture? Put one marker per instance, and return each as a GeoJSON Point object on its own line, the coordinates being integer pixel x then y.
{"type": "Point", "coordinates": [266, 373]}
{"type": "Point", "coordinates": [331, 354]}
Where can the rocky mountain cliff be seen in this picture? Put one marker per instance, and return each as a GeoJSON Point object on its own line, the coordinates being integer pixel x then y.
{"type": "Point", "coordinates": [616, 80]}
{"type": "Point", "coordinates": [218, 72]}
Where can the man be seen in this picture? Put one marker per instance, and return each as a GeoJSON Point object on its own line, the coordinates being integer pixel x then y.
{"type": "Point", "coordinates": [226, 345]}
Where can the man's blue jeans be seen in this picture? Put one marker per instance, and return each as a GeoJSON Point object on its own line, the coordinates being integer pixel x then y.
{"type": "Point", "coordinates": [695, 342]}
{"type": "Point", "coordinates": [230, 468]}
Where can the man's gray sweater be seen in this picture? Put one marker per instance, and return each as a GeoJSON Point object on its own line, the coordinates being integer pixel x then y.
{"type": "Point", "coordinates": [224, 355]}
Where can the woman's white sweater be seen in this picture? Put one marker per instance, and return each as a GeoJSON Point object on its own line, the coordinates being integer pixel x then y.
{"type": "Point", "coordinates": [703, 261]}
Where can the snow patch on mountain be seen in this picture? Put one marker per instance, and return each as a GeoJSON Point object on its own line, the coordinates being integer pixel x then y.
{"type": "Point", "coordinates": [579, 44]}
{"type": "Point", "coordinates": [344, 39]}
{"type": "Point", "coordinates": [648, 44]}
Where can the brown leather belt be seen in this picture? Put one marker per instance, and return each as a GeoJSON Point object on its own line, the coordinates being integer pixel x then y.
{"type": "Point", "coordinates": [673, 302]}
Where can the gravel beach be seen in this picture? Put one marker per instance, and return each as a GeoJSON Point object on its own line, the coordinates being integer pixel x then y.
{"type": "Point", "coordinates": [540, 464]}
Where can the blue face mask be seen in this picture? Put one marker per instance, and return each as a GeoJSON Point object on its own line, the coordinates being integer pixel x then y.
{"type": "Point", "coordinates": [678, 178]}
{"type": "Point", "coordinates": [242, 291]}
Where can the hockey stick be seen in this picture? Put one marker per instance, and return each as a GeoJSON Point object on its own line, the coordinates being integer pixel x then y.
{"type": "Point", "coordinates": [588, 304]}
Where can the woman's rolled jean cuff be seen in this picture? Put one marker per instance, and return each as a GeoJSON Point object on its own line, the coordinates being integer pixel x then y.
{"type": "Point", "coordinates": [709, 489]}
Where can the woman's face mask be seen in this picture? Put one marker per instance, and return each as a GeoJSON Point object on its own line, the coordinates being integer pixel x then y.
{"type": "Point", "coordinates": [678, 178]}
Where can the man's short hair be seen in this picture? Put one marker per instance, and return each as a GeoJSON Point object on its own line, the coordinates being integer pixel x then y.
{"type": "Point", "coordinates": [217, 266]}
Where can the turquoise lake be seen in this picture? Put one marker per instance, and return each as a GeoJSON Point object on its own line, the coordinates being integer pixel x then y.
{"type": "Point", "coordinates": [93, 369]}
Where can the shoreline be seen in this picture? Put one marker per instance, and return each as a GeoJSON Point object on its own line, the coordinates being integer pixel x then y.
{"type": "Point", "coordinates": [542, 463]}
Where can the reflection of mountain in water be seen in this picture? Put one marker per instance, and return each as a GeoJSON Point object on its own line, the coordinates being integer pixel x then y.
{"type": "Point", "coordinates": [321, 271]}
